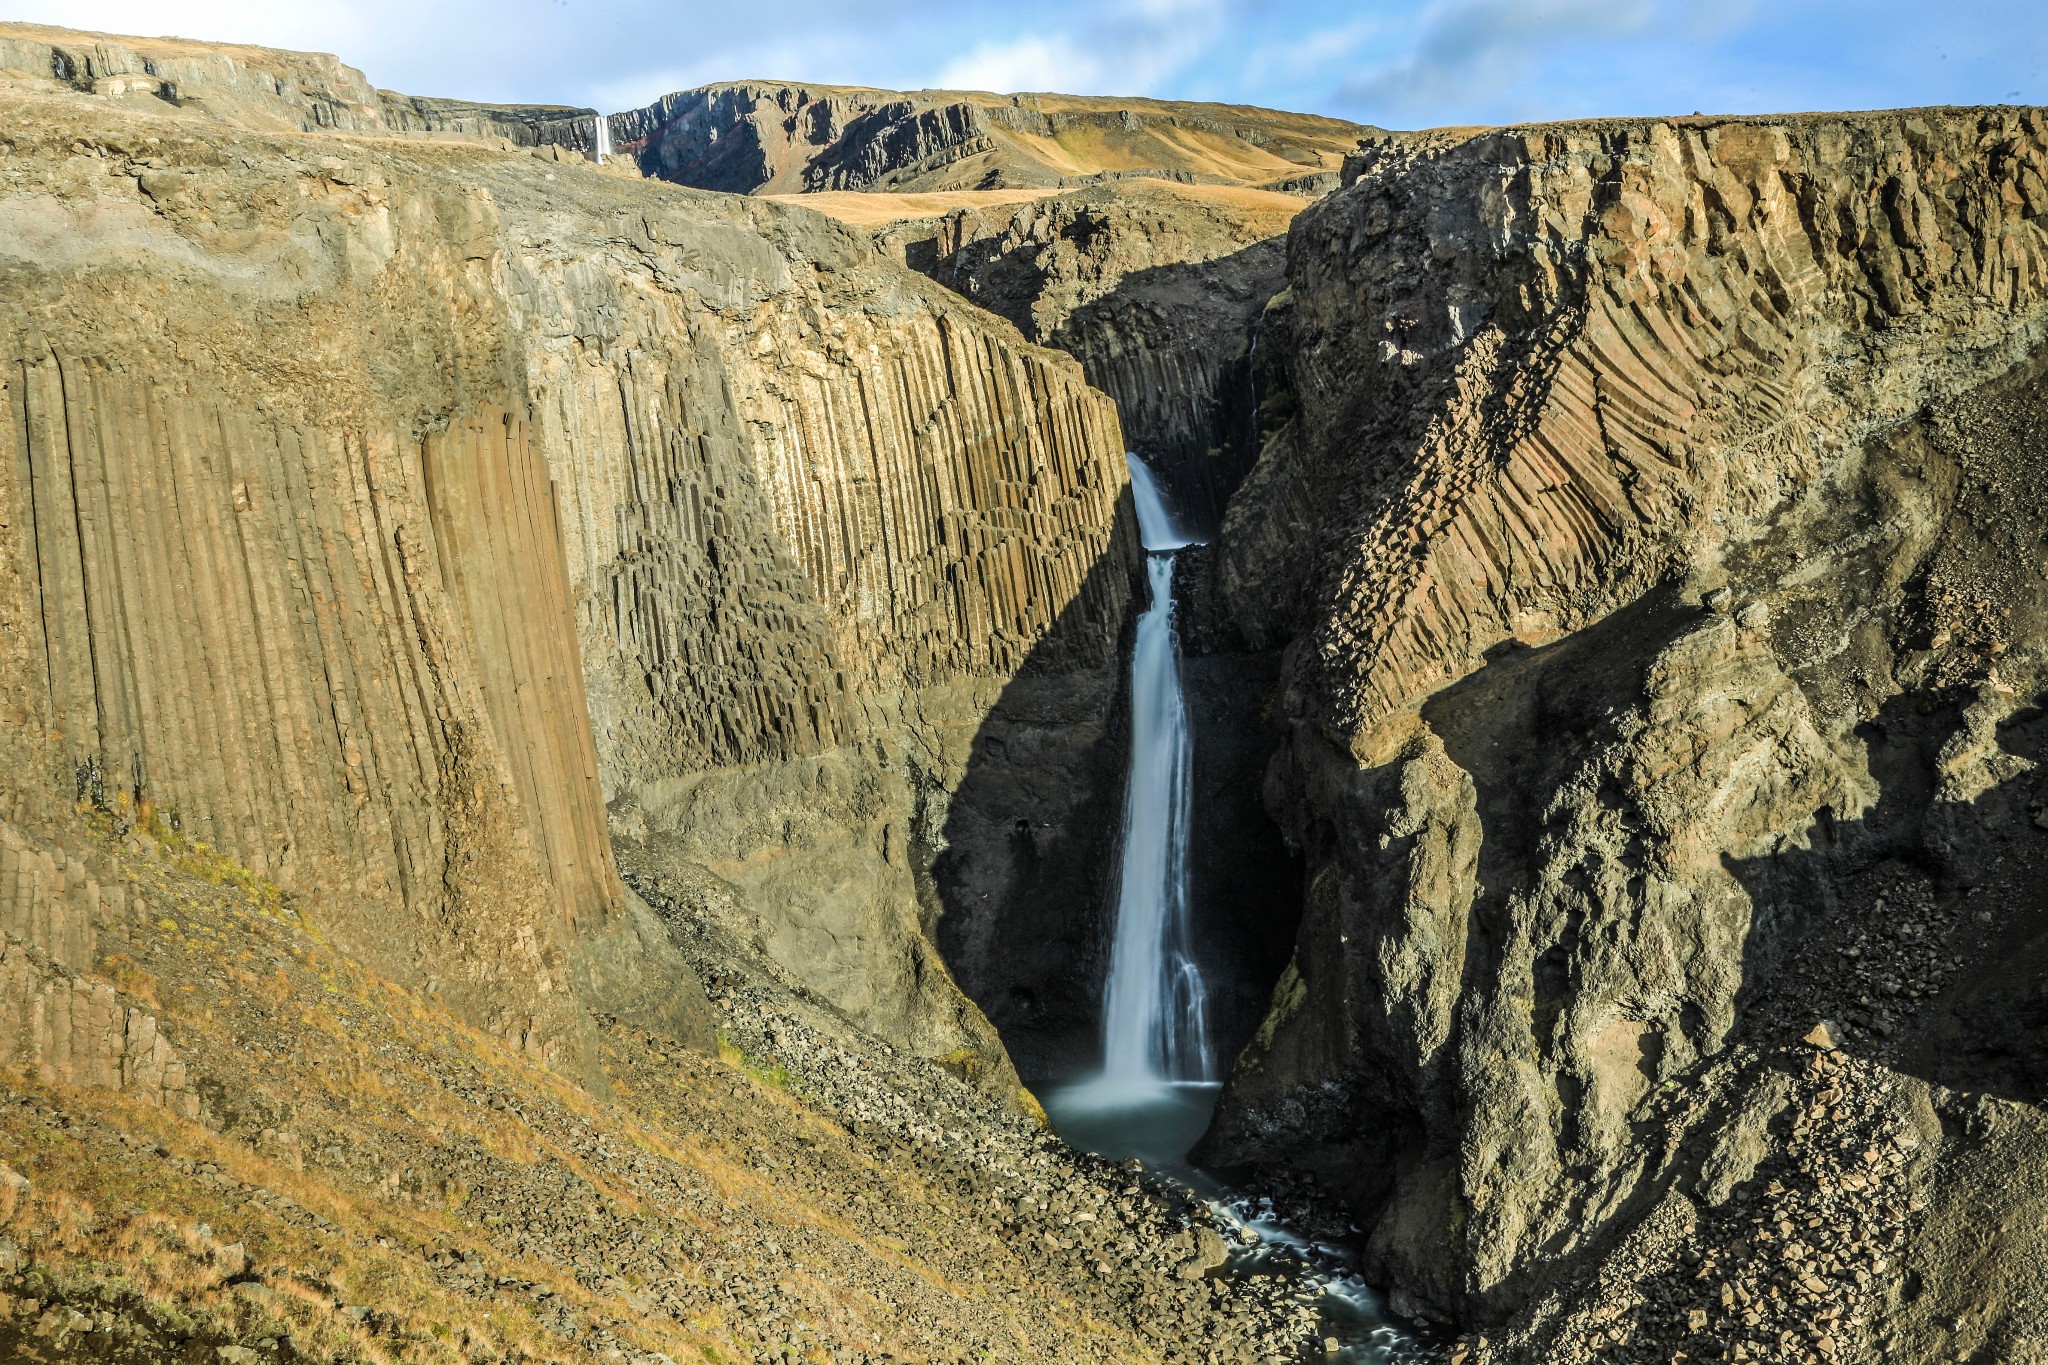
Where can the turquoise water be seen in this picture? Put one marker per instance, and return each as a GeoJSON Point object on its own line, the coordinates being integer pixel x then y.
{"type": "Point", "coordinates": [1157, 1124]}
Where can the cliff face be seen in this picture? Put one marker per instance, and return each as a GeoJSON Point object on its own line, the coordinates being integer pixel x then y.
{"type": "Point", "coordinates": [386, 525]}
{"type": "Point", "coordinates": [263, 88]}
{"type": "Point", "coordinates": [1153, 277]}
{"type": "Point", "coordinates": [768, 138]}
{"type": "Point", "coordinates": [381, 510]}
{"type": "Point", "coordinates": [274, 595]}
{"type": "Point", "coordinates": [1155, 288]}
{"type": "Point", "coordinates": [820, 517]}
{"type": "Point", "coordinates": [1661, 572]}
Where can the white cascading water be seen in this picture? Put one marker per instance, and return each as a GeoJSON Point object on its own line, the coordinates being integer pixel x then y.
{"type": "Point", "coordinates": [1157, 1087]}
{"type": "Point", "coordinates": [1154, 1014]}
{"type": "Point", "coordinates": [604, 139]}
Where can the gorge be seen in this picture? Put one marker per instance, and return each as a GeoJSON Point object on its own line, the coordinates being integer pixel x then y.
{"type": "Point", "coordinates": [594, 709]}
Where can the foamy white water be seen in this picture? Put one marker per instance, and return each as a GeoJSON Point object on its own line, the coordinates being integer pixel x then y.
{"type": "Point", "coordinates": [604, 138]}
{"type": "Point", "coordinates": [1158, 528]}
{"type": "Point", "coordinates": [1155, 1027]}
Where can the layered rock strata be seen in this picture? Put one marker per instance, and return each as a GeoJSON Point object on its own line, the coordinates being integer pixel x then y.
{"type": "Point", "coordinates": [268, 88]}
{"type": "Point", "coordinates": [770, 138]}
{"type": "Point", "coordinates": [1662, 582]}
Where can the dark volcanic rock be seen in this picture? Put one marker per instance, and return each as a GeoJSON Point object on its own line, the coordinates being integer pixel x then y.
{"type": "Point", "coordinates": [1157, 289]}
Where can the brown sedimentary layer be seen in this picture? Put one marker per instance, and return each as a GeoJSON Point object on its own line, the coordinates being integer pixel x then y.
{"type": "Point", "coordinates": [767, 138]}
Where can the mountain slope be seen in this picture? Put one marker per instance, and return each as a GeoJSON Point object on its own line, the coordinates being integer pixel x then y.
{"type": "Point", "coordinates": [753, 137]}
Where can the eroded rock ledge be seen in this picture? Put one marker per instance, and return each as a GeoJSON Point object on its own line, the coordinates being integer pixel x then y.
{"type": "Point", "coordinates": [1661, 570]}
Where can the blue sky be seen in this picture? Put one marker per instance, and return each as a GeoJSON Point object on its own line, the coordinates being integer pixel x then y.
{"type": "Point", "coordinates": [1400, 63]}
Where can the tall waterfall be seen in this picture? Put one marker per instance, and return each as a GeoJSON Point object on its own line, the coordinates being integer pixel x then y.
{"type": "Point", "coordinates": [1154, 1014]}
{"type": "Point", "coordinates": [603, 140]}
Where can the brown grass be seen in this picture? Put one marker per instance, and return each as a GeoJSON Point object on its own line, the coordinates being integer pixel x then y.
{"type": "Point", "coordinates": [863, 210]}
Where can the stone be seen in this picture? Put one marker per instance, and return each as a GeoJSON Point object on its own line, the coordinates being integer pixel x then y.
{"type": "Point", "coordinates": [14, 1187]}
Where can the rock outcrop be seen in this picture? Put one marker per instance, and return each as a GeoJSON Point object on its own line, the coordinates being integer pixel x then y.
{"type": "Point", "coordinates": [1156, 288]}
{"type": "Point", "coordinates": [770, 138]}
{"type": "Point", "coordinates": [382, 510]}
{"type": "Point", "coordinates": [1662, 581]}
{"type": "Point", "coordinates": [266, 88]}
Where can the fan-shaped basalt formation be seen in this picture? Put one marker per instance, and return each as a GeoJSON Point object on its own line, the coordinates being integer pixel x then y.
{"type": "Point", "coordinates": [1662, 577]}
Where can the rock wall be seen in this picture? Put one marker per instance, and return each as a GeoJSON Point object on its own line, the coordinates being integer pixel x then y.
{"type": "Point", "coordinates": [278, 603]}
{"type": "Point", "coordinates": [251, 86]}
{"type": "Point", "coordinates": [820, 517]}
{"type": "Point", "coordinates": [382, 510]}
{"type": "Point", "coordinates": [1661, 579]}
{"type": "Point", "coordinates": [54, 1021]}
{"type": "Point", "coordinates": [267, 88]}
{"type": "Point", "coordinates": [1155, 288]}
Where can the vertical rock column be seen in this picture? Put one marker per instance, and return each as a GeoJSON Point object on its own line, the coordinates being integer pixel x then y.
{"type": "Point", "coordinates": [251, 632]}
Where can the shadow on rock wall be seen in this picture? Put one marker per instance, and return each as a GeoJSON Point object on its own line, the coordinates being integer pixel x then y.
{"type": "Point", "coordinates": [1023, 884]}
{"type": "Point", "coordinates": [1174, 345]}
{"type": "Point", "coordinates": [1919, 933]}
{"type": "Point", "coordinates": [1171, 343]}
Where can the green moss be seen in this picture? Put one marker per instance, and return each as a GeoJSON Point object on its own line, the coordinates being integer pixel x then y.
{"type": "Point", "coordinates": [964, 1062]}
{"type": "Point", "coordinates": [196, 858]}
{"type": "Point", "coordinates": [1289, 995]}
{"type": "Point", "coordinates": [767, 1073]}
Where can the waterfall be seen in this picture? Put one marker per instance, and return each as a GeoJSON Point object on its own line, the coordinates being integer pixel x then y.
{"type": "Point", "coordinates": [1154, 1009]}
{"type": "Point", "coordinates": [603, 139]}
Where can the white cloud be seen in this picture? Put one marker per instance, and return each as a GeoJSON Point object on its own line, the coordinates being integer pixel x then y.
{"type": "Point", "coordinates": [1027, 63]}
{"type": "Point", "coordinates": [1133, 47]}
{"type": "Point", "coordinates": [1302, 58]}
{"type": "Point", "coordinates": [1467, 44]}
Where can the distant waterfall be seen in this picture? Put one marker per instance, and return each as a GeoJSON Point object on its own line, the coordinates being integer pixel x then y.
{"type": "Point", "coordinates": [603, 141]}
{"type": "Point", "coordinates": [1155, 1014]}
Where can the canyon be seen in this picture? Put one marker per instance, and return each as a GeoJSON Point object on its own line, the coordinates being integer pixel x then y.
{"type": "Point", "coordinates": [565, 723]}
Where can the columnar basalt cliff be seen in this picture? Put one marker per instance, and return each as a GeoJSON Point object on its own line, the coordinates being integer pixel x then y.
{"type": "Point", "coordinates": [1154, 287]}
{"type": "Point", "coordinates": [820, 516]}
{"type": "Point", "coordinates": [386, 526]}
{"type": "Point", "coordinates": [398, 464]}
{"type": "Point", "coordinates": [1157, 289]}
{"type": "Point", "coordinates": [558, 732]}
{"type": "Point", "coordinates": [263, 609]}
{"type": "Point", "coordinates": [1663, 580]}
